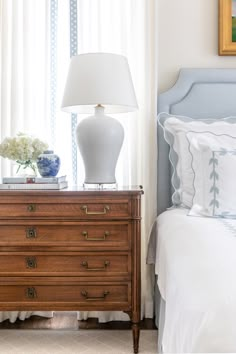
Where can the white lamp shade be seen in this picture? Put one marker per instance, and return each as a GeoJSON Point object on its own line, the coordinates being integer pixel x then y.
{"type": "Point", "coordinates": [99, 78]}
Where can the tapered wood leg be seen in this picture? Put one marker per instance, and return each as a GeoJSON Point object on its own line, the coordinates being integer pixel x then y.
{"type": "Point", "coordinates": [136, 332]}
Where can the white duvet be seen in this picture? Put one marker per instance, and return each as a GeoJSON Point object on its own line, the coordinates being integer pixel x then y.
{"type": "Point", "coordinates": [196, 267]}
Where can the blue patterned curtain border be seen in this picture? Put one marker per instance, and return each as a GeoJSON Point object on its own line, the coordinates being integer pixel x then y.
{"type": "Point", "coordinates": [73, 51]}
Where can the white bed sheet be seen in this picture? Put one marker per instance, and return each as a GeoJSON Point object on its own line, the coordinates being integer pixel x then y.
{"type": "Point", "coordinates": [196, 267]}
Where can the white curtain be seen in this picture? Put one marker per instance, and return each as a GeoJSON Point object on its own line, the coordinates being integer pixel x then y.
{"type": "Point", "coordinates": [28, 101]}
{"type": "Point", "coordinates": [24, 63]}
{"type": "Point", "coordinates": [129, 27]}
{"type": "Point", "coordinates": [24, 60]}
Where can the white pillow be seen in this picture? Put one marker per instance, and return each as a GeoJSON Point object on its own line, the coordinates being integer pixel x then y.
{"type": "Point", "coordinates": [175, 129]}
{"type": "Point", "coordinates": [214, 170]}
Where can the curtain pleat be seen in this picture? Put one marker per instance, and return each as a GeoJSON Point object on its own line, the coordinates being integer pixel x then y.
{"type": "Point", "coordinates": [128, 27]}
{"type": "Point", "coordinates": [24, 104]}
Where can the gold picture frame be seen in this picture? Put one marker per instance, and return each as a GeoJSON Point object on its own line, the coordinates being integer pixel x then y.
{"type": "Point", "coordinates": [227, 46]}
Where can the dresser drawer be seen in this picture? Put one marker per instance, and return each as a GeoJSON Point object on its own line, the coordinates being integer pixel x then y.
{"type": "Point", "coordinates": [107, 235]}
{"type": "Point", "coordinates": [86, 296]}
{"type": "Point", "coordinates": [72, 264]}
{"type": "Point", "coordinates": [61, 208]}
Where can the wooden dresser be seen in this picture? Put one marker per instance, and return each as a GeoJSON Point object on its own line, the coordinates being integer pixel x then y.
{"type": "Point", "coordinates": [71, 250]}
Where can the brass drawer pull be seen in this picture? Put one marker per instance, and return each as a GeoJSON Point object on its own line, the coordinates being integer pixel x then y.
{"type": "Point", "coordinates": [31, 293]}
{"type": "Point", "coordinates": [85, 234]}
{"type": "Point", "coordinates": [94, 298]}
{"type": "Point", "coordinates": [85, 265]}
{"type": "Point", "coordinates": [31, 207]}
{"type": "Point", "coordinates": [105, 210]}
{"type": "Point", "coordinates": [31, 233]}
{"type": "Point", "coordinates": [31, 262]}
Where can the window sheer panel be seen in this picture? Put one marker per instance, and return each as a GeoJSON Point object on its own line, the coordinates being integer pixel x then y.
{"type": "Point", "coordinates": [16, 93]}
{"type": "Point", "coordinates": [128, 27]}
{"type": "Point", "coordinates": [5, 73]}
{"type": "Point", "coordinates": [24, 81]}
{"type": "Point", "coordinates": [36, 42]}
{"type": "Point", "coordinates": [146, 136]}
{"type": "Point", "coordinates": [24, 67]}
{"type": "Point", "coordinates": [105, 26]}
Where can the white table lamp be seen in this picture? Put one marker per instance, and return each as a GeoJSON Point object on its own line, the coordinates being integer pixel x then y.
{"type": "Point", "coordinates": [98, 82]}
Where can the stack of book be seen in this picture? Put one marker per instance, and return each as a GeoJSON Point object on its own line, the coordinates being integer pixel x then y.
{"type": "Point", "coordinates": [59, 182]}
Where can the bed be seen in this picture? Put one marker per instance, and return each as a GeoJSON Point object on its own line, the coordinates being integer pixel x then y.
{"type": "Point", "coordinates": [193, 246]}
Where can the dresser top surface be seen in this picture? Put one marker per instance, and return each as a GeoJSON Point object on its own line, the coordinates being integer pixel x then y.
{"type": "Point", "coordinates": [78, 190]}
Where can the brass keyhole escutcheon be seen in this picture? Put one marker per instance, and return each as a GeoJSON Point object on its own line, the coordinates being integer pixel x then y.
{"type": "Point", "coordinates": [31, 207]}
{"type": "Point", "coordinates": [31, 232]}
{"type": "Point", "coordinates": [31, 293]}
{"type": "Point", "coordinates": [31, 262]}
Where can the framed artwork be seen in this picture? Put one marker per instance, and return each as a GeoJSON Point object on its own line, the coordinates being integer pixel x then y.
{"type": "Point", "coordinates": [227, 27]}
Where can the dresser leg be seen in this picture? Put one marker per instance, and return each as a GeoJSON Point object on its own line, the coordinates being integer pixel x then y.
{"type": "Point", "coordinates": [136, 332]}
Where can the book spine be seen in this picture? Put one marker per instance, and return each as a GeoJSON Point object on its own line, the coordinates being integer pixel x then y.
{"type": "Point", "coordinates": [25, 186]}
{"type": "Point", "coordinates": [32, 180]}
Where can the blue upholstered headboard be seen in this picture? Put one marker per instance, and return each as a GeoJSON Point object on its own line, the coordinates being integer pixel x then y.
{"type": "Point", "coordinates": [198, 93]}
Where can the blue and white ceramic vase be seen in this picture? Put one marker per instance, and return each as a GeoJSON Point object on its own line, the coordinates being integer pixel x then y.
{"type": "Point", "coordinates": [48, 164]}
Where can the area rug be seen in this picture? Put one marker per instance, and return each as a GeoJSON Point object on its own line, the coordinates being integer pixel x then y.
{"type": "Point", "coordinates": [75, 341]}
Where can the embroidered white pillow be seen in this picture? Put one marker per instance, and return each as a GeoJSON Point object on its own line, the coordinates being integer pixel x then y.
{"type": "Point", "coordinates": [214, 171]}
{"type": "Point", "coordinates": [175, 129]}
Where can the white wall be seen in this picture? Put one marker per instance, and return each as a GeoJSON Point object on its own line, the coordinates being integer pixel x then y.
{"type": "Point", "coordinates": [188, 37]}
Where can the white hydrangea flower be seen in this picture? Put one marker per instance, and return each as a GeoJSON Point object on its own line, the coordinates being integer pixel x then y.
{"type": "Point", "coordinates": [24, 149]}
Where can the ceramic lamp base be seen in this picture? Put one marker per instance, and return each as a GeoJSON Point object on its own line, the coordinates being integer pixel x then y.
{"type": "Point", "coordinates": [99, 138]}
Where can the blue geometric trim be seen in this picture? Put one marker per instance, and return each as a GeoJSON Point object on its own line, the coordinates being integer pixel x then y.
{"type": "Point", "coordinates": [73, 51]}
